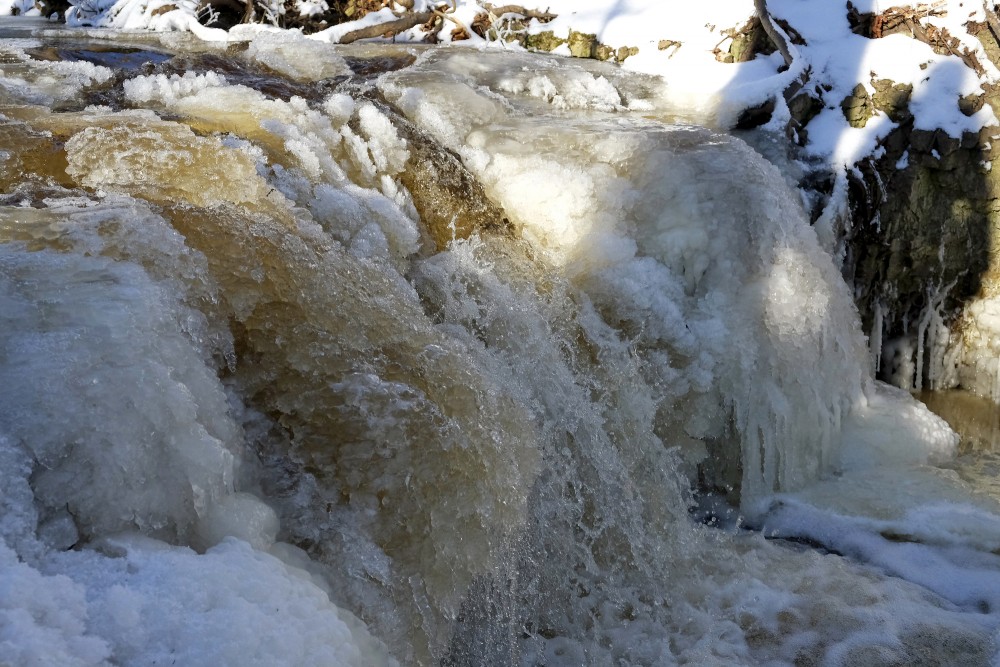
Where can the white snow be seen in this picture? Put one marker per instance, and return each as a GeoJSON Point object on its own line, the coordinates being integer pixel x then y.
{"type": "Point", "coordinates": [834, 57]}
{"type": "Point", "coordinates": [151, 603]}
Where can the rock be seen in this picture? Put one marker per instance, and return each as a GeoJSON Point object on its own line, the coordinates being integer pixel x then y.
{"type": "Point", "coordinates": [892, 99]}
{"type": "Point", "coordinates": [451, 201]}
{"type": "Point", "coordinates": [970, 104]}
{"type": "Point", "coordinates": [755, 116]}
{"type": "Point", "coordinates": [860, 22]}
{"type": "Point", "coordinates": [803, 107]}
{"type": "Point", "coordinates": [603, 52]}
{"type": "Point", "coordinates": [543, 41]}
{"type": "Point", "coordinates": [922, 227]}
{"type": "Point", "coordinates": [858, 106]}
{"type": "Point", "coordinates": [747, 42]}
{"type": "Point", "coordinates": [625, 52]}
{"type": "Point", "coordinates": [582, 45]}
{"type": "Point", "coordinates": [52, 7]}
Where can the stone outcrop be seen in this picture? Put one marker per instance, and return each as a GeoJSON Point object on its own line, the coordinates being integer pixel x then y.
{"type": "Point", "coordinates": [925, 230]}
{"type": "Point", "coordinates": [858, 107]}
{"type": "Point", "coordinates": [580, 45]}
{"type": "Point", "coordinates": [925, 214]}
{"type": "Point", "coordinates": [924, 225]}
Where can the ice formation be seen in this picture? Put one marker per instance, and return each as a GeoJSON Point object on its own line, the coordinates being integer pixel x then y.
{"type": "Point", "coordinates": [717, 298]}
{"type": "Point", "coordinates": [87, 463]}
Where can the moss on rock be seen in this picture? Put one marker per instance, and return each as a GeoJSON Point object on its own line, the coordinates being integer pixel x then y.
{"type": "Point", "coordinates": [581, 45]}
{"type": "Point", "coordinates": [858, 107]}
{"type": "Point", "coordinates": [892, 99]}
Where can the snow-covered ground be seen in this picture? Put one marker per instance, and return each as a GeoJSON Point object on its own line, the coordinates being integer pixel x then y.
{"type": "Point", "coordinates": [679, 41]}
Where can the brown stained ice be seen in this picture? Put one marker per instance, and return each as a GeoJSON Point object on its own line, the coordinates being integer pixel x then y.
{"type": "Point", "coordinates": [401, 421]}
{"type": "Point", "coordinates": [451, 201]}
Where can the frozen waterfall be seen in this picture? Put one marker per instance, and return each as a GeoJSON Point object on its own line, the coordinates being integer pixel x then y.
{"type": "Point", "coordinates": [419, 357]}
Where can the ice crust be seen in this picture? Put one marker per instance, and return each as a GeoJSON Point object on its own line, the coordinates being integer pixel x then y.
{"type": "Point", "coordinates": [321, 155]}
{"type": "Point", "coordinates": [294, 56]}
{"type": "Point", "coordinates": [48, 83]}
{"type": "Point", "coordinates": [232, 605]}
{"type": "Point", "coordinates": [106, 325]}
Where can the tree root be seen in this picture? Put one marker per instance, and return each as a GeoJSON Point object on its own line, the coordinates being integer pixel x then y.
{"type": "Point", "coordinates": [776, 35]}
{"type": "Point", "coordinates": [889, 21]}
{"type": "Point", "coordinates": [907, 19]}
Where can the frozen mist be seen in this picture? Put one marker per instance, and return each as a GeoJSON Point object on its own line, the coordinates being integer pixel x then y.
{"type": "Point", "coordinates": [254, 412]}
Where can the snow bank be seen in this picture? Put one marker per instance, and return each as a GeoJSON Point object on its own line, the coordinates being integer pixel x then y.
{"type": "Point", "coordinates": [677, 41]}
{"type": "Point", "coordinates": [152, 603]}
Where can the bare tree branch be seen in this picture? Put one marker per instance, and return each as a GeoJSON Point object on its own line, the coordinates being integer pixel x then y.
{"type": "Point", "coordinates": [517, 9]}
{"type": "Point", "coordinates": [776, 35]}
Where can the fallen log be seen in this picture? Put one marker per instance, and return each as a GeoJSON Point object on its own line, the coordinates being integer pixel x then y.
{"type": "Point", "coordinates": [497, 12]}
{"type": "Point", "coordinates": [389, 28]}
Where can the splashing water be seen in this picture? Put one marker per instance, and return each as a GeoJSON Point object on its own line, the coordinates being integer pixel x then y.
{"type": "Point", "coordinates": [421, 370]}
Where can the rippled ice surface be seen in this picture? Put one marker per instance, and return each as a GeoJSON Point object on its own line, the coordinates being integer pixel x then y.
{"type": "Point", "coordinates": [317, 356]}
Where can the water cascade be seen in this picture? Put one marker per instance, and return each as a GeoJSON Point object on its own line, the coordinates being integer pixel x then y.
{"type": "Point", "coordinates": [381, 355]}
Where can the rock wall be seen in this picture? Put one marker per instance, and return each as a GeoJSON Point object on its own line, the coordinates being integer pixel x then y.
{"type": "Point", "coordinates": [924, 238]}
{"type": "Point", "coordinates": [923, 221]}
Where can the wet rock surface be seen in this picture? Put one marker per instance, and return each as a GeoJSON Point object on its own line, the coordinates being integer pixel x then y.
{"type": "Point", "coordinates": [451, 201]}
{"type": "Point", "coordinates": [927, 210]}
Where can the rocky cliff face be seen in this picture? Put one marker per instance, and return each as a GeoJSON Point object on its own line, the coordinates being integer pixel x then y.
{"type": "Point", "coordinates": [923, 247]}
{"type": "Point", "coordinates": [924, 215]}
{"type": "Point", "coordinates": [921, 238]}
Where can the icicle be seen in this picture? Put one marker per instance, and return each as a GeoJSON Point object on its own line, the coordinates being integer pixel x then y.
{"type": "Point", "coordinates": [875, 341]}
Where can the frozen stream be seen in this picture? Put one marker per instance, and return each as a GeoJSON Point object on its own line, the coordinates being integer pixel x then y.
{"type": "Point", "coordinates": [382, 355]}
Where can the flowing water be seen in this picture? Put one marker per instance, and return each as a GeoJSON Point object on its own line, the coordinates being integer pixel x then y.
{"type": "Point", "coordinates": [388, 355]}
